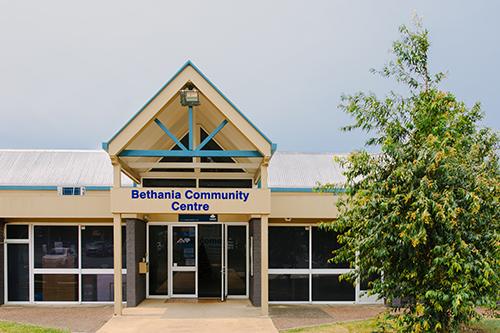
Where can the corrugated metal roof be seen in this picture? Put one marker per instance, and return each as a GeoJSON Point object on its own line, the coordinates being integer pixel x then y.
{"type": "Point", "coordinates": [56, 168]}
{"type": "Point", "coordinates": [304, 170]}
{"type": "Point", "coordinates": [93, 168]}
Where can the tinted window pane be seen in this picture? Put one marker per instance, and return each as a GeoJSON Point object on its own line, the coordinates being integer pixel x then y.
{"type": "Point", "coordinates": [124, 247]}
{"type": "Point", "coordinates": [18, 272]}
{"type": "Point", "coordinates": [56, 247]}
{"type": "Point", "coordinates": [236, 260]}
{"type": "Point", "coordinates": [158, 272]}
{"type": "Point", "coordinates": [97, 247]}
{"type": "Point", "coordinates": [184, 246]}
{"type": "Point", "coordinates": [100, 287]}
{"type": "Point", "coordinates": [323, 243]}
{"type": "Point", "coordinates": [288, 287]}
{"type": "Point", "coordinates": [329, 288]}
{"type": "Point", "coordinates": [366, 282]}
{"type": "Point", "coordinates": [163, 182]}
{"type": "Point", "coordinates": [226, 183]}
{"type": "Point", "coordinates": [288, 247]}
{"type": "Point", "coordinates": [15, 231]}
{"type": "Point", "coordinates": [183, 283]}
{"type": "Point", "coordinates": [56, 287]}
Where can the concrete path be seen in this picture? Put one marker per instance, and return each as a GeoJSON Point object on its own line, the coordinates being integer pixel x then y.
{"type": "Point", "coordinates": [190, 316]}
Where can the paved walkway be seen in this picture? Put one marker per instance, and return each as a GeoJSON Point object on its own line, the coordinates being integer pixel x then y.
{"type": "Point", "coordinates": [201, 316]}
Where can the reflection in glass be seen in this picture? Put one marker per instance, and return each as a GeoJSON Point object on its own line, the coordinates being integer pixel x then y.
{"type": "Point", "coordinates": [56, 246]}
{"type": "Point", "coordinates": [288, 287]}
{"type": "Point", "coordinates": [183, 283]}
{"type": "Point", "coordinates": [329, 288]}
{"type": "Point", "coordinates": [97, 247]}
{"type": "Point", "coordinates": [184, 246]}
{"type": "Point", "coordinates": [100, 287]}
{"type": "Point", "coordinates": [209, 260]}
{"type": "Point", "coordinates": [158, 258]}
{"type": "Point", "coordinates": [56, 287]}
{"type": "Point", "coordinates": [236, 260]}
{"type": "Point", "coordinates": [18, 272]}
{"type": "Point", "coordinates": [323, 243]}
{"type": "Point", "coordinates": [288, 247]}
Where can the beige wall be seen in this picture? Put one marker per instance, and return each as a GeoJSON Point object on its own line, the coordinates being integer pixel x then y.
{"type": "Point", "coordinates": [49, 204]}
{"type": "Point", "coordinates": [96, 204]}
{"type": "Point", "coordinates": [303, 205]}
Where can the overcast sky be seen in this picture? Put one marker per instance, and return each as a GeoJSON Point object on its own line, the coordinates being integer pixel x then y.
{"type": "Point", "coordinates": [73, 72]}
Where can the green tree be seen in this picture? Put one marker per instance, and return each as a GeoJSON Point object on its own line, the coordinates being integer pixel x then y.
{"type": "Point", "coordinates": [424, 213]}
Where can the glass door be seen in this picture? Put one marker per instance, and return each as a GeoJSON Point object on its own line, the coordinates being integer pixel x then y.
{"type": "Point", "coordinates": [236, 261]}
{"type": "Point", "coordinates": [183, 266]}
{"type": "Point", "coordinates": [210, 261]}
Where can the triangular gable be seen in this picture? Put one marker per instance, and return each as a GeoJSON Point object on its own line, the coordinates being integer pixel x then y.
{"type": "Point", "coordinates": [188, 73]}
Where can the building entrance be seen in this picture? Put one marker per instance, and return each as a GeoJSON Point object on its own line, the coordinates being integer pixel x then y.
{"type": "Point", "coordinates": [198, 260]}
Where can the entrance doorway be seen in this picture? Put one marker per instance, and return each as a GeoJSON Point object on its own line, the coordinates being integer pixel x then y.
{"type": "Point", "coordinates": [198, 260]}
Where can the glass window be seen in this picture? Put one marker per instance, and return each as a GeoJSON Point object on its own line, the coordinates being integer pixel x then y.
{"type": "Point", "coordinates": [236, 260]}
{"type": "Point", "coordinates": [16, 231]}
{"type": "Point", "coordinates": [328, 288]}
{"type": "Point", "coordinates": [56, 287]}
{"type": "Point", "coordinates": [183, 283]}
{"type": "Point", "coordinates": [288, 247]}
{"type": "Point", "coordinates": [97, 247]}
{"type": "Point", "coordinates": [18, 272]}
{"type": "Point", "coordinates": [158, 258]}
{"type": "Point", "coordinates": [184, 246]}
{"type": "Point", "coordinates": [366, 282]}
{"type": "Point", "coordinates": [289, 287]}
{"type": "Point", "coordinates": [100, 287]}
{"type": "Point", "coordinates": [56, 246]}
{"type": "Point", "coordinates": [323, 243]}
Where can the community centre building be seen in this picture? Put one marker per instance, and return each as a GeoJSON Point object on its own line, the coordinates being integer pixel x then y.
{"type": "Point", "coordinates": [188, 200]}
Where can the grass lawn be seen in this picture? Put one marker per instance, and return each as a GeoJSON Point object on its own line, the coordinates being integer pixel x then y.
{"type": "Point", "coordinates": [367, 326]}
{"type": "Point", "coordinates": [11, 327]}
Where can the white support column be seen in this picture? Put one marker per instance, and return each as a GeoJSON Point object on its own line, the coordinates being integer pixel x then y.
{"type": "Point", "coordinates": [117, 263]}
{"type": "Point", "coordinates": [117, 173]}
{"type": "Point", "coordinates": [117, 242]}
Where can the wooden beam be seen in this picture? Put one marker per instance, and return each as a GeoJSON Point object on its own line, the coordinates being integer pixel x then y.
{"type": "Point", "coordinates": [181, 153]}
{"type": "Point", "coordinates": [200, 175]}
{"type": "Point", "coordinates": [163, 165]}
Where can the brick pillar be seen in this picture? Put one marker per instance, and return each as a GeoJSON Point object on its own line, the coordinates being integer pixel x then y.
{"type": "Point", "coordinates": [2, 260]}
{"type": "Point", "coordinates": [255, 280]}
{"type": "Point", "coordinates": [136, 250]}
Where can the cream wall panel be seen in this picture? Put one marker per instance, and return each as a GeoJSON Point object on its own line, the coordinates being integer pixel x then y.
{"type": "Point", "coordinates": [40, 204]}
{"type": "Point", "coordinates": [303, 205]}
{"type": "Point", "coordinates": [259, 201]}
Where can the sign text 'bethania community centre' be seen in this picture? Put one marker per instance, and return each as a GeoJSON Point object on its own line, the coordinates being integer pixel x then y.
{"type": "Point", "coordinates": [190, 194]}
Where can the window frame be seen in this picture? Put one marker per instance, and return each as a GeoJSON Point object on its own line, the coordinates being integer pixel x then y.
{"type": "Point", "coordinates": [310, 271]}
{"type": "Point", "coordinates": [32, 270]}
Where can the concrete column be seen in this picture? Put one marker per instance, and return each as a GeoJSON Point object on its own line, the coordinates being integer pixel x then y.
{"type": "Point", "coordinates": [136, 251]}
{"type": "Point", "coordinates": [2, 260]}
{"type": "Point", "coordinates": [255, 277]}
{"type": "Point", "coordinates": [264, 263]}
{"type": "Point", "coordinates": [117, 254]}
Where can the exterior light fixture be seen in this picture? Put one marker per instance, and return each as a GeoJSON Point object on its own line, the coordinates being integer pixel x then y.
{"type": "Point", "coordinates": [190, 97]}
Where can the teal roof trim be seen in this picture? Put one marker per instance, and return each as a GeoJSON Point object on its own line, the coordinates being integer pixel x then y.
{"type": "Point", "coordinates": [188, 63]}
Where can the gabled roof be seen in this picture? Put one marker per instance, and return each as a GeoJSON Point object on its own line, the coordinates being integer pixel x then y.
{"type": "Point", "coordinates": [288, 171]}
{"type": "Point", "coordinates": [176, 75]}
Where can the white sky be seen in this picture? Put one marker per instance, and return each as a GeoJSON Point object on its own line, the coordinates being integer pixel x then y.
{"type": "Point", "coordinates": [73, 72]}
